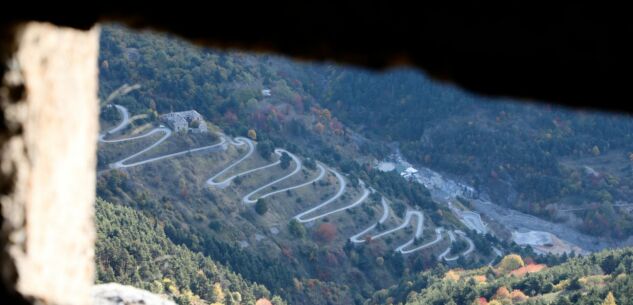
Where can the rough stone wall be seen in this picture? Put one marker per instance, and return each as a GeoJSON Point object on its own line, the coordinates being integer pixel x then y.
{"type": "Point", "coordinates": [48, 135]}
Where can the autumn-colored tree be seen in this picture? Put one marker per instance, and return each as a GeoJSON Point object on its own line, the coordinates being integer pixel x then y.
{"type": "Point", "coordinates": [518, 296]}
{"type": "Point", "coordinates": [182, 186]}
{"type": "Point", "coordinates": [510, 262]}
{"type": "Point", "coordinates": [529, 268]}
{"type": "Point", "coordinates": [326, 232]}
{"type": "Point", "coordinates": [319, 128]}
{"type": "Point", "coordinates": [595, 150]}
{"type": "Point", "coordinates": [479, 279]}
{"type": "Point", "coordinates": [502, 293]}
{"type": "Point", "coordinates": [252, 134]}
{"type": "Point", "coordinates": [609, 300]}
{"type": "Point", "coordinates": [452, 276]}
{"type": "Point", "coordinates": [218, 294]}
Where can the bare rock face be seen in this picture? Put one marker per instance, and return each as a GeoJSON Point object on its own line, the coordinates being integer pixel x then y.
{"type": "Point", "coordinates": [48, 135]}
{"type": "Point", "coordinates": [117, 294]}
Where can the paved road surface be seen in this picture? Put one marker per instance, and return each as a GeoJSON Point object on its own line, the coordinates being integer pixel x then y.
{"type": "Point", "coordinates": [247, 199]}
{"type": "Point", "coordinates": [301, 217]}
{"type": "Point", "coordinates": [125, 120]}
{"type": "Point", "coordinates": [438, 238]}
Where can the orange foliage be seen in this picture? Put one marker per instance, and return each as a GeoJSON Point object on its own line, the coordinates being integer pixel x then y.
{"type": "Point", "coordinates": [532, 268]}
{"type": "Point", "coordinates": [479, 278]}
{"type": "Point", "coordinates": [502, 293]}
{"type": "Point", "coordinates": [452, 275]}
{"type": "Point", "coordinates": [319, 128]}
{"type": "Point", "coordinates": [518, 296]}
{"type": "Point", "coordinates": [326, 232]}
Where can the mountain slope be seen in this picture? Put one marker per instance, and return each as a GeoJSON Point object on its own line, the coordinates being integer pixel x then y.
{"type": "Point", "coordinates": [133, 249]}
{"type": "Point", "coordinates": [325, 225]}
{"type": "Point", "coordinates": [581, 280]}
{"type": "Point", "coordinates": [312, 267]}
{"type": "Point", "coordinates": [565, 165]}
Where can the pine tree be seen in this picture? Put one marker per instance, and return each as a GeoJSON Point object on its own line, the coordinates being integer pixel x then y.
{"type": "Point", "coordinates": [261, 207]}
{"type": "Point", "coordinates": [296, 229]}
{"type": "Point", "coordinates": [284, 160]}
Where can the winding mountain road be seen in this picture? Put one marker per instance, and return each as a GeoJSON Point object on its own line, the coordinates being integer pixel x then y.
{"type": "Point", "coordinates": [248, 199]}
{"type": "Point", "coordinates": [121, 163]}
{"type": "Point", "coordinates": [451, 235]}
{"type": "Point", "coordinates": [362, 198]}
{"type": "Point", "coordinates": [385, 214]}
{"type": "Point", "coordinates": [407, 220]}
{"type": "Point", "coordinates": [341, 190]}
{"type": "Point", "coordinates": [125, 120]}
{"type": "Point", "coordinates": [239, 141]}
{"type": "Point", "coordinates": [471, 244]}
{"type": "Point", "coordinates": [473, 221]}
{"type": "Point", "coordinates": [218, 146]}
{"type": "Point", "coordinates": [438, 238]}
{"type": "Point", "coordinates": [302, 217]}
{"type": "Point", "coordinates": [385, 209]}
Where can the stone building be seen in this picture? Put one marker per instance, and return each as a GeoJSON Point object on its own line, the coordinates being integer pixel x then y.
{"type": "Point", "coordinates": [189, 120]}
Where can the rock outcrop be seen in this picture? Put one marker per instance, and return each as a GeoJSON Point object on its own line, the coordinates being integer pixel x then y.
{"type": "Point", "coordinates": [117, 294]}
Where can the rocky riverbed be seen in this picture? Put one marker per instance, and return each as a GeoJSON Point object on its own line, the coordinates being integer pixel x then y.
{"type": "Point", "coordinates": [542, 235]}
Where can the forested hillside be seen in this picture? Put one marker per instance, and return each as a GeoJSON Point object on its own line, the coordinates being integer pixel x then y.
{"type": "Point", "coordinates": [226, 90]}
{"type": "Point", "coordinates": [534, 158]}
{"type": "Point", "coordinates": [306, 133]}
{"type": "Point", "coordinates": [594, 279]}
{"type": "Point", "coordinates": [132, 249]}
